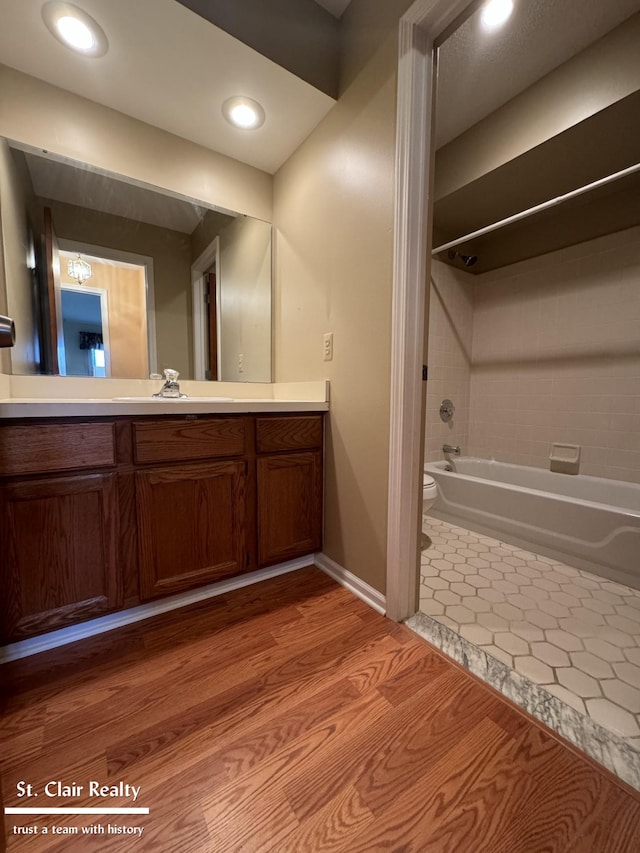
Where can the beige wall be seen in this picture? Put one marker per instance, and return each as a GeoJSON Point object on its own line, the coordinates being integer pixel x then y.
{"type": "Point", "coordinates": [171, 253]}
{"type": "Point", "coordinates": [333, 211]}
{"type": "Point", "coordinates": [15, 192]}
{"type": "Point", "coordinates": [245, 300]}
{"type": "Point", "coordinates": [555, 356]}
{"type": "Point", "coordinates": [34, 113]}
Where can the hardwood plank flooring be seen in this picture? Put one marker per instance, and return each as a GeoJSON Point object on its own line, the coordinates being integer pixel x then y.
{"type": "Point", "coordinates": [290, 717]}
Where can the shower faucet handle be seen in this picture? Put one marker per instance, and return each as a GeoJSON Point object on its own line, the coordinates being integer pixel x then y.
{"type": "Point", "coordinates": [447, 411]}
{"type": "Point", "coordinates": [451, 449]}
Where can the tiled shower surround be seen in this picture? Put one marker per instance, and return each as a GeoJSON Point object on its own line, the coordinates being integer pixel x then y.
{"type": "Point", "coordinates": [558, 632]}
{"type": "Point", "coordinates": [540, 352]}
{"type": "Point", "coordinates": [543, 351]}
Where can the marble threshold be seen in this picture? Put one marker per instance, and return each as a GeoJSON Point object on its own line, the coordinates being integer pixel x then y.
{"type": "Point", "coordinates": [605, 747]}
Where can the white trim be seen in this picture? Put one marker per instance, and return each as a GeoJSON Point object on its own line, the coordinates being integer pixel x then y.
{"type": "Point", "coordinates": [209, 258]}
{"type": "Point", "coordinates": [435, 17]}
{"type": "Point", "coordinates": [352, 582]}
{"type": "Point", "coordinates": [423, 22]}
{"type": "Point", "coordinates": [410, 253]}
{"type": "Point", "coordinates": [199, 328]}
{"type": "Point", "coordinates": [43, 643]}
{"type": "Point", "coordinates": [137, 260]}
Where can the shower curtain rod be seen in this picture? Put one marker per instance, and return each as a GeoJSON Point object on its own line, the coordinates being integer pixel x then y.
{"type": "Point", "coordinates": [545, 205]}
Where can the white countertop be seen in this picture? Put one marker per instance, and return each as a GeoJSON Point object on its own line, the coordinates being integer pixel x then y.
{"type": "Point", "coordinates": [63, 396]}
{"type": "Point", "coordinates": [55, 408]}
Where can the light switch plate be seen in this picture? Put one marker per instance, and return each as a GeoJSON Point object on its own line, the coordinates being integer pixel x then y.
{"type": "Point", "coordinates": [328, 346]}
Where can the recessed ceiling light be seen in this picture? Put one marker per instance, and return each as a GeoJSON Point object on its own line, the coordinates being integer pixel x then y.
{"type": "Point", "coordinates": [75, 28]}
{"type": "Point", "coordinates": [496, 13]}
{"type": "Point", "coordinates": [244, 113]}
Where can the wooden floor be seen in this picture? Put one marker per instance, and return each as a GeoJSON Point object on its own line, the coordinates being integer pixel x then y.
{"type": "Point", "coordinates": [290, 717]}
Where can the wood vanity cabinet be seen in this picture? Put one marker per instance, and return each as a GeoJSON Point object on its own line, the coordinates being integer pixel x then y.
{"type": "Point", "coordinates": [58, 526]}
{"type": "Point", "coordinates": [192, 516]}
{"type": "Point", "coordinates": [289, 474]}
{"type": "Point", "coordinates": [104, 514]}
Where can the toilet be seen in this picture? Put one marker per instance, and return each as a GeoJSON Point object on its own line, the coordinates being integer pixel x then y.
{"type": "Point", "coordinates": [429, 492]}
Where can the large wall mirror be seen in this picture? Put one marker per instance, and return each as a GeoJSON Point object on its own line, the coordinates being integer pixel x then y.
{"type": "Point", "coordinates": [110, 278]}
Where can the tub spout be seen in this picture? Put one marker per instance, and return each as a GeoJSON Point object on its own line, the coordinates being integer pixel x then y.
{"type": "Point", "coordinates": [451, 449]}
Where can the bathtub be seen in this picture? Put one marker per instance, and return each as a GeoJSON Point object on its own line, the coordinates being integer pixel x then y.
{"type": "Point", "coordinates": [587, 522]}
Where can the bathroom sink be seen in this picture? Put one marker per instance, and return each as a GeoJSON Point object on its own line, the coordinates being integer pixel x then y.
{"type": "Point", "coordinates": [173, 399]}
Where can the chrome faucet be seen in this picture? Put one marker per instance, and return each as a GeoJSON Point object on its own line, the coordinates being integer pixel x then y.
{"type": "Point", "coordinates": [171, 388]}
{"type": "Point", "coordinates": [451, 449]}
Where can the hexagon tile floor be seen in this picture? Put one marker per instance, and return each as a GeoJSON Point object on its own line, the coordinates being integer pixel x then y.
{"type": "Point", "coordinates": [573, 633]}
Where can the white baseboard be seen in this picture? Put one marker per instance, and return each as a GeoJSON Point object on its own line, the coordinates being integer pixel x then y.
{"type": "Point", "coordinates": [352, 582]}
{"type": "Point", "coordinates": [61, 637]}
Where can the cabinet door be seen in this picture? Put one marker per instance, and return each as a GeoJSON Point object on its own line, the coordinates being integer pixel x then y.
{"type": "Point", "coordinates": [191, 522]}
{"type": "Point", "coordinates": [59, 539]}
{"type": "Point", "coordinates": [289, 506]}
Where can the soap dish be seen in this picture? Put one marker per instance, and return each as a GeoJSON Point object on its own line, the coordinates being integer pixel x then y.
{"type": "Point", "coordinates": [565, 458]}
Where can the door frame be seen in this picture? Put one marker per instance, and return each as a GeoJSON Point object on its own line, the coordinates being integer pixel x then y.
{"type": "Point", "coordinates": [421, 27]}
{"type": "Point", "coordinates": [145, 261]}
{"type": "Point", "coordinates": [53, 342]}
{"type": "Point", "coordinates": [207, 260]}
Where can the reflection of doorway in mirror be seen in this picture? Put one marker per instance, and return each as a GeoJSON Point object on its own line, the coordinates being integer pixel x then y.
{"type": "Point", "coordinates": [125, 284]}
{"type": "Point", "coordinates": [211, 299]}
{"type": "Point", "coordinates": [205, 283]}
{"type": "Point", "coordinates": [85, 329]}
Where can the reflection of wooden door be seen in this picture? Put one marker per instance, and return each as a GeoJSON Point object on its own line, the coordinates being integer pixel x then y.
{"type": "Point", "coordinates": [212, 325]}
{"type": "Point", "coordinates": [52, 300]}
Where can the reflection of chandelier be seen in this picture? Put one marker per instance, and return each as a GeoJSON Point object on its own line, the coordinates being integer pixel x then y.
{"type": "Point", "coordinates": [79, 269]}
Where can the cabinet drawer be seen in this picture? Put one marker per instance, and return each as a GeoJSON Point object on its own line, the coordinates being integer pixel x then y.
{"type": "Point", "coordinates": [41, 448]}
{"type": "Point", "coordinates": [288, 433]}
{"type": "Point", "coordinates": [176, 441]}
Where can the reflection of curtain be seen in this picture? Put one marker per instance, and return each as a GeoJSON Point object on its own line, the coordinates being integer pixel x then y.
{"type": "Point", "coordinates": [90, 340]}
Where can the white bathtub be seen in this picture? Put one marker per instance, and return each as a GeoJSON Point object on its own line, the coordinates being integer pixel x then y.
{"type": "Point", "coordinates": [588, 522]}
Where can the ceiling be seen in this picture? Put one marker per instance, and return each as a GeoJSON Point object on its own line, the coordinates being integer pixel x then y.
{"type": "Point", "coordinates": [479, 72]}
{"type": "Point", "coordinates": [336, 7]}
{"type": "Point", "coordinates": [168, 67]}
{"type": "Point", "coordinates": [87, 188]}
{"type": "Point", "coordinates": [176, 74]}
